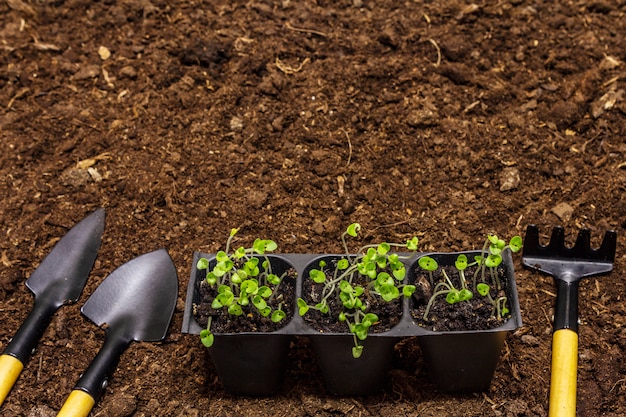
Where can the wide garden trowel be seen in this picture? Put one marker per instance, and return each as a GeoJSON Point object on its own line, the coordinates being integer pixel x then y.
{"type": "Point", "coordinates": [134, 303]}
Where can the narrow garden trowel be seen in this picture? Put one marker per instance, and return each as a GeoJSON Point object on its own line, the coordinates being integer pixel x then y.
{"type": "Point", "coordinates": [568, 266]}
{"type": "Point", "coordinates": [59, 279]}
{"type": "Point", "coordinates": [134, 303]}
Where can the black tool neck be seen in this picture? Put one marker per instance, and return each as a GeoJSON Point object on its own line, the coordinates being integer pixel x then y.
{"type": "Point", "coordinates": [96, 377]}
{"type": "Point", "coordinates": [566, 314]}
{"type": "Point", "coordinates": [27, 337]}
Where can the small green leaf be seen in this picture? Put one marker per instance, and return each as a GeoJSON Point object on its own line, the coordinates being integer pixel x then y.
{"type": "Point", "coordinates": [273, 279]}
{"type": "Point", "coordinates": [233, 232]}
{"type": "Point", "coordinates": [221, 268]}
{"type": "Point", "coordinates": [225, 299]}
{"type": "Point", "coordinates": [370, 270]}
{"type": "Point", "coordinates": [224, 289]}
{"type": "Point", "coordinates": [342, 316]}
{"type": "Point", "coordinates": [259, 302]}
{"type": "Point", "coordinates": [240, 253]}
{"type": "Point", "coordinates": [302, 307]}
{"type": "Point", "coordinates": [389, 292]}
{"type": "Point", "coordinates": [202, 264]}
{"type": "Point", "coordinates": [265, 311]}
{"type": "Point", "coordinates": [347, 299]}
{"type": "Point", "coordinates": [353, 229]}
{"type": "Point", "coordinates": [211, 279]}
{"type": "Point", "coordinates": [453, 296]}
{"type": "Point", "coordinates": [461, 262]}
{"type": "Point", "coordinates": [265, 291]}
{"type": "Point", "coordinates": [250, 286]}
{"type": "Point", "coordinates": [235, 310]}
{"type": "Point", "coordinates": [216, 304]}
{"type": "Point", "coordinates": [483, 289]}
{"type": "Point", "coordinates": [241, 274]}
{"type": "Point", "coordinates": [317, 276]}
{"type": "Point", "coordinates": [493, 261]}
{"type": "Point", "coordinates": [383, 248]}
{"type": "Point", "coordinates": [516, 244]}
{"type": "Point", "coordinates": [345, 287]}
{"type": "Point", "coordinates": [411, 244]}
{"type": "Point", "coordinates": [399, 272]}
{"type": "Point", "coordinates": [221, 256]}
{"type": "Point", "coordinates": [207, 338]}
{"type": "Point", "coordinates": [427, 263]}
{"type": "Point", "coordinates": [270, 245]}
{"type": "Point", "coordinates": [278, 315]}
{"type": "Point", "coordinates": [357, 351]}
{"type": "Point", "coordinates": [360, 331]}
{"type": "Point", "coordinates": [236, 278]}
{"type": "Point", "coordinates": [408, 290]}
{"type": "Point", "coordinates": [343, 264]}
{"type": "Point", "coordinates": [384, 278]}
{"type": "Point", "coordinates": [371, 318]}
{"type": "Point", "coordinates": [465, 295]}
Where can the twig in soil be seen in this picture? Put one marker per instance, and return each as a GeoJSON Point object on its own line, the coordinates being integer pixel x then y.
{"type": "Point", "coordinates": [349, 147]}
{"type": "Point", "coordinates": [290, 70]}
{"type": "Point", "coordinates": [21, 92]}
{"type": "Point", "coordinates": [432, 41]}
{"type": "Point", "coordinates": [77, 122]}
{"type": "Point", "coordinates": [618, 382]}
{"type": "Point", "coordinates": [312, 31]}
{"type": "Point", "coordinates": [40, 366]}
{"type": "Point", "coordinates": [392, 224]}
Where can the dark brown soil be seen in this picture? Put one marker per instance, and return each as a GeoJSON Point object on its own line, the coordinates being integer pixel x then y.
{"type": "Point", "coordinates": [476, 313]}
{"type": "Point", "coordinates": [292, 119]}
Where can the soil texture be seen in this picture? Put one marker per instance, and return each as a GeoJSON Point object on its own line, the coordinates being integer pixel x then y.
{"type": "Point", "coordinates": [448, 304]}
{"type": "Point", "coordinates": [290, 120]}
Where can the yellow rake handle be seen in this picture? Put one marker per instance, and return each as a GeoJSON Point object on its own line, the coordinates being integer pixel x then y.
{"type": "Point", "coordinates": [563, 377]}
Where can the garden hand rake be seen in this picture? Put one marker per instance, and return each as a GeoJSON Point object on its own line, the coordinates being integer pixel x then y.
{"type": "Point", "coordinates": [568, 266]}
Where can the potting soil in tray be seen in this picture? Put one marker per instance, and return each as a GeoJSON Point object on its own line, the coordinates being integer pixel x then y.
{"type": "Point", "coordinates": [473, 314]}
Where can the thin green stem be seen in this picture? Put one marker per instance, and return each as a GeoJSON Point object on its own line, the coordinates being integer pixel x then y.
{"type": "Point", "coordinates": [432, 299]}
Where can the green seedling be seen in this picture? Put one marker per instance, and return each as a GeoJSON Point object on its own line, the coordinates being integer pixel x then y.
{"type": "Point", "coordinates": [493, 248]}
{"type": "Point", "coordinates": [374, 271]}
{"type": "Point", "coordinates": [499, 304]}
{"type": "Point", "coordinates": [244, 281]}
{"type": "Point", "coordinates": [486, 265]}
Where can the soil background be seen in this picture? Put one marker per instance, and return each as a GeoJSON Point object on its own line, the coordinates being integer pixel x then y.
{"type": "Point", "coordinates": [291, 119]}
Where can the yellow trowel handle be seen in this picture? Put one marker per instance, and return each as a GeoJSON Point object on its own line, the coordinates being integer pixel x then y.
{"type": "Point", "coordinates": [10, 369]}
{"type": "Point", "coordinates": [564, 369]}
{"type": "Point", "coordinates": [78, 404]}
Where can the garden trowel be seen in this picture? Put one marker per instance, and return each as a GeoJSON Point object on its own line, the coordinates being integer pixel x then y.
{"type": "Point", "coordinates": [58, 280]}
{"type": "Point", "coordinates": [134, 303]}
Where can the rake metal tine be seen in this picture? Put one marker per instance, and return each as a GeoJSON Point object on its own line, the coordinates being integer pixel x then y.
{"type": "Point", "coordinates": [531, 240]}
{"type": "Point", "coordinates": [582, 247]}
{"type": "Point", "coordinates": [557, 240]}
{"type": "Point", "coordinates": [606, 252]}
